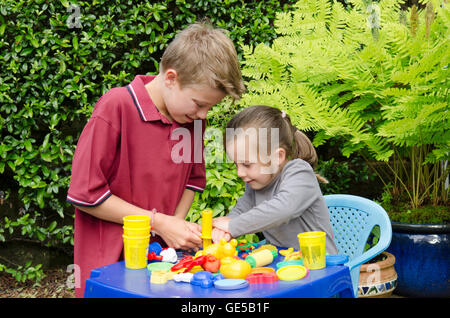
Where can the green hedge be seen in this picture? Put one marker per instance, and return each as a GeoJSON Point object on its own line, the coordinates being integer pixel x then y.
{"type": "Point", "coordinates": [57, 58]}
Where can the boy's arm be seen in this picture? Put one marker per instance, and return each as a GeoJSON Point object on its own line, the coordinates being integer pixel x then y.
{"type": "Point", "coordinates": [114, 209]}
{"type": "Point", "coordinates": [176, 232]}
{"type": "Point", "coordinates": [185, 203]}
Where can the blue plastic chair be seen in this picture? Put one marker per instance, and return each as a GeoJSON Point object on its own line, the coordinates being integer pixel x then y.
{"type": "Point", "coordinates": [353, 218]}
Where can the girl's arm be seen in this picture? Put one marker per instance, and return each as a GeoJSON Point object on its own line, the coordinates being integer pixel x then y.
{"type": "Point", "coordinates": [298, 191]}
{"type": "Point", "coordinates": [220, 224]}
{"type": "Point", "coordinates": [243, 204]}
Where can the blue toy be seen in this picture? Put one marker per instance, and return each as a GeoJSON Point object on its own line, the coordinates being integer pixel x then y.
{"type": "Point", "coordinates": [336, 259]}
{"type": "Point", "coordinates": [205, 279]}
{"type": "Point", "coordinates": [231, 284]}
{"type": "Point", "coordinates": [154, 247]}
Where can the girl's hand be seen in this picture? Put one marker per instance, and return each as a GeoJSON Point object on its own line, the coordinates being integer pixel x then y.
{"type": "Point", "coordinates": [221, 223]}
{"type": "Point", "coordinates": [218, 234]}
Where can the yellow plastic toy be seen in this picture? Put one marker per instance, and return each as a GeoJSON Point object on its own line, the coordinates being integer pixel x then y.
{"type": "Point", "coordinates": [234, 268]}
{"type": "Point", "coordinates": [290, 255]}
{"type": "Point", "coordinates": [161, 276]}
{"type": "Point", "coordinates": [261, 258]}
{"type": "Point", "coordinates": [269, 247]}
{"type": "Point", "coordinates": [196, 269]}
{"type": "Point", "coordinates": [221, 249]}
{"type": "Point", "coordinates": [206, 228]}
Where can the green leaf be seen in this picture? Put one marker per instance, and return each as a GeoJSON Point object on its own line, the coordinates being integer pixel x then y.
{"type": "Point", "coordinates": [65, 3]}
{"type": "Point", "coordinates": [34, 42]}
{"type": "Point", "coordinates": [46, 156]}
{"type": "Point", "coordinates": [41, 236]}
{"type": "Point", "coordinates": [11, 165]}
{"type": "Point", "coordinates": [27, 144]}
{"type": "Point", "coordinates": [40, 198]}
{"type": "Point", "coordinates": [75, 43]}
{"type": "Point", "coordinates": [45, 143]}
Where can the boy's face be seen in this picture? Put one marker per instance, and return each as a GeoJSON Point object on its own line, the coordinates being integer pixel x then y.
{"type": "Point", "coordinates": [184, 105]}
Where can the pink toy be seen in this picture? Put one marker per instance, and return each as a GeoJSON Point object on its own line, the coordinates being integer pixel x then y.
{"type": "Point", "coordinates": [255, 278]}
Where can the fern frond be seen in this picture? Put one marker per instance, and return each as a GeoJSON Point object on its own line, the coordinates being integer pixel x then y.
{"type": "Point", "coordinates": [335, 77]}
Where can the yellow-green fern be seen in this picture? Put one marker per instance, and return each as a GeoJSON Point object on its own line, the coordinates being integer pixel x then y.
{"type": "Point", "coordinates": [366, 72]}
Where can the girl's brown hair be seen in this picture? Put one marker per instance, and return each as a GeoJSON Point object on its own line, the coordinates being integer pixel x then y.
{"type": "Point", "coordinates": [293, 141]}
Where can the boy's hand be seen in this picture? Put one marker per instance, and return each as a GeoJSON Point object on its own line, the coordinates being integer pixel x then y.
{"type": "Point", "coordinates": [194, 228]}
{"type": "Point", "coordinates": [221, 223]}
{"type": "Point", "coordinates": [178, 233]}
{"type": "Point", "coordinates": [217, 235]}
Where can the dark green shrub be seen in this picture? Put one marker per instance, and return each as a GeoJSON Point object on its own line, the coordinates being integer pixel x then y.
{"type": "Point", "coordinates": [346, 176]}
{"type": "Point", "coordinates": [56, 59]}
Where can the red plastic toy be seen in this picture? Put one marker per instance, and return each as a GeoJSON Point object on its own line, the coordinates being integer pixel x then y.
{"type": "Point", "coordinates": [154, 257]}
{"type": "Point", "coordinates": [188, 262]}
{"type": "Point", "coordinates": [212, 264]}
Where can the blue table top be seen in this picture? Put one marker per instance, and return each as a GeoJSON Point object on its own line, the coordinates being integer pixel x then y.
{"type": "Point", "coordinates": [116, 280]}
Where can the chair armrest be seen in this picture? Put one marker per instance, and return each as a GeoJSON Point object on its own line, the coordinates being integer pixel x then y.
{"type": "Point", "coordinates": [361, 259]}
{"type": "Point", "coordinates": [382, 245]}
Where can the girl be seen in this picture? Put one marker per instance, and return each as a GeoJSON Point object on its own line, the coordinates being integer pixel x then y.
{"type": "Point", "coordinates": [282, 195]}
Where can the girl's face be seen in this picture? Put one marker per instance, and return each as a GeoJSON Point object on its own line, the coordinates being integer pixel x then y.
{"type": "Point", "coordinates": [254, 169]}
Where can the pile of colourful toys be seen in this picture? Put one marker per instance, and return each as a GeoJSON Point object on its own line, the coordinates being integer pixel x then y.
{"type": "Point", "coordinates": [224, 265]}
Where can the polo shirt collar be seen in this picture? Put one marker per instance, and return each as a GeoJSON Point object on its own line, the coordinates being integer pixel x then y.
{"type": "Point", "coordinates": [144, 104]}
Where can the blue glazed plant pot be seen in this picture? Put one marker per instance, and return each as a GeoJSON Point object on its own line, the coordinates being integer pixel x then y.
{"type": "Point", "coordinates": [422, 253]}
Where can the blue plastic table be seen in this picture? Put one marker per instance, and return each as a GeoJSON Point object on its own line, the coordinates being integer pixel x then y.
{"type": "Point", "coordinates": [117, 281]}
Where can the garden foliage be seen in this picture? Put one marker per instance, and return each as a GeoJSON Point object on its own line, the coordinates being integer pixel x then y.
{"type": "Point", "coordinates": [368, 73]}
{"type": "Point", "coordinates": [57, 58]}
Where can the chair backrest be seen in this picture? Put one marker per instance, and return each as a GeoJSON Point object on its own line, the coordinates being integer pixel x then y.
{"type": "Point", "coordinates": [353, 218]}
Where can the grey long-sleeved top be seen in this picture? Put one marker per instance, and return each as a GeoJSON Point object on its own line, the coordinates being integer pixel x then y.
{"type": "Point", "coordinates": [291, 204]}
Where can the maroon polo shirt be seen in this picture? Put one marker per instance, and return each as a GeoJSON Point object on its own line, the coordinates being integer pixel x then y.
{"type": "Point", "coordinates": [125, 149]}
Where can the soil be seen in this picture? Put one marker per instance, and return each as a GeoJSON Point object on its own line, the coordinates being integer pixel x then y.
{"type": "Point", "coordinates": [53, 285]}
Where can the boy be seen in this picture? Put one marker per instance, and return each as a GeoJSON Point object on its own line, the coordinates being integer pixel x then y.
{"type": "Point", "coordinates": [123, 161]}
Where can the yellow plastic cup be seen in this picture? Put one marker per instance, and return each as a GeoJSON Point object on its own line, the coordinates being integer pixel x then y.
{"type": "Point", "coordinates": [135, 251]}
{"type": "Point", "coordinates": [312, 245]}
{"type": "Point", "coordinates": [136, 221]}
{"type": "Point", "coordinates": [143, 231]}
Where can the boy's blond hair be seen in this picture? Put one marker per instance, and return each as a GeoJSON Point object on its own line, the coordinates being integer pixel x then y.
{"type": "Point", "coordinates": [203, 55]}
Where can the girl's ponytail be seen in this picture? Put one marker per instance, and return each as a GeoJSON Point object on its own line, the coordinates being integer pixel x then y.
{"type": "Point", "coordinates": [303, 148]}
{"type": "Point", "coordinates": [307, 152]}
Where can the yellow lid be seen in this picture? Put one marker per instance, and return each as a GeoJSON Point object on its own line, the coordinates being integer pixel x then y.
{"type": "Point", "coordinates": [292, 272]}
